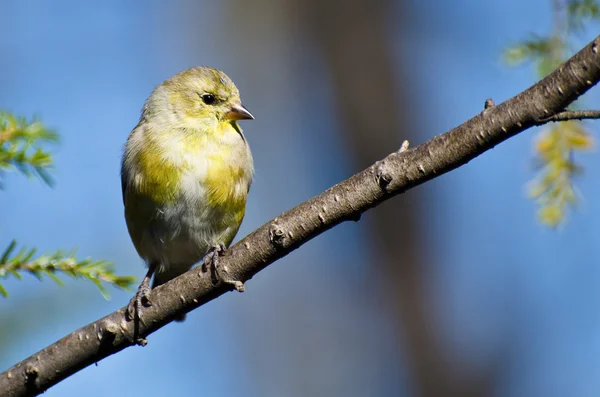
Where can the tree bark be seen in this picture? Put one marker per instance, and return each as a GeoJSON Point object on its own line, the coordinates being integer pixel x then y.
{"type": "Point", "coordinates": [347, 200]}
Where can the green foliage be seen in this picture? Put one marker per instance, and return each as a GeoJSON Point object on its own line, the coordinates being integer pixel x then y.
{"type": "Point", "coordinates": [553, 188]}
{"type": "Point", "coordinates": [22, 149]}
{"type": "Point", "coordinates": [557, 146]}
{"type": "Point", "coordinates": [536, 49]}
{"type": "Point", "coordinates": [548, 52]}
{"type": "Point", "coordinates": [581, 11]}
{"type": "Point", "coordinates": [21, 146]}
{"type": "Point", "coordinates": [13, 264]}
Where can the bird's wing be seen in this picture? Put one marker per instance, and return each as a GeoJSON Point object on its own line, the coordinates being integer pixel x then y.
{"type": "Point", "coordinates": [125, 175]}
{"type": "Point", "coordinates": [124, 179]}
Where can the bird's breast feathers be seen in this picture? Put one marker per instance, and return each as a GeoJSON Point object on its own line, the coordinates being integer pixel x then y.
{"type": "Point", "coordinates": [211, 170]}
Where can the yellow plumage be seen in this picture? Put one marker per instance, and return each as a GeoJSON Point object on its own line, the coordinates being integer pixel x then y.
{"type": "Point", "coordinates": [186, 172]}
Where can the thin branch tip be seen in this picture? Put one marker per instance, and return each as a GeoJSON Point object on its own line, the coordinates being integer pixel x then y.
{"type": "Point", "coordinates": [567, 115]}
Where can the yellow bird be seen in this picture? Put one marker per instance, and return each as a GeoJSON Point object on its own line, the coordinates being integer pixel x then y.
{"type": "Point", "coordinates": [185, 174]}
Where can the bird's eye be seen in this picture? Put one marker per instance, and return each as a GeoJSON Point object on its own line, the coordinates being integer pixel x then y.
{"type": "Point", "coordinates": [209, 99]}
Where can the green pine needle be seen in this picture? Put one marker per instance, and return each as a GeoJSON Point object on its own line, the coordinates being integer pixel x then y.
{"type": "Point", "coordinates": [98, 272]}
{"type": "Point", "coordinates": [21, 147]}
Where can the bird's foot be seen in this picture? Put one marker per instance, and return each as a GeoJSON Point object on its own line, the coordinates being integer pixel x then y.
{"type": "Point", "coordinates": [134, 309]}
{"type": "Point", "coordinates": [139, 300]}
{"type": "Point", "coordinates": [218, 272]}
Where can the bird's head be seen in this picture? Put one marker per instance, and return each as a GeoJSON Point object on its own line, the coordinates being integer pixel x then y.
{"type": "Point", "coordinates": [199, 97]}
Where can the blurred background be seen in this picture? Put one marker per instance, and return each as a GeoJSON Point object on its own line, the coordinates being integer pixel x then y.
{"type": "Point", "coordinates": [453, 288]}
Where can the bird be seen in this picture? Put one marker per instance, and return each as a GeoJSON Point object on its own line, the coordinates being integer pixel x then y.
{"type": "Point", "coordinates": [185, 175]}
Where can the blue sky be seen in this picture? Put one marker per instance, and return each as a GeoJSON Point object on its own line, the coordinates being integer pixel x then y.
{"type": "Point", "coordinates": [501, 284]}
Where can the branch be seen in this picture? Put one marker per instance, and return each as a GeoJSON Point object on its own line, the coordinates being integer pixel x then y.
{"type": "Point", "coordinates": [572, 115]}
{"type": "Point", "coordinates": [345, 201]}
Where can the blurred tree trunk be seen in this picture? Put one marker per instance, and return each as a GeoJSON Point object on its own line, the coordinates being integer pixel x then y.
{"type": "Point", "coordinates": [376, 106]}
{"type": "Point", "coordinates": [374, 102]}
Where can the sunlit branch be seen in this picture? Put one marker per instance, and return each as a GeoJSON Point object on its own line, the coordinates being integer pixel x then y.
{"type": "Point", "coordinates": [397, 173]}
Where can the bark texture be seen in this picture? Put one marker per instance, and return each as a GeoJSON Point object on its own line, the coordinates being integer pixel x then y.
{"type": "Point", "coordinates": [347, 200]}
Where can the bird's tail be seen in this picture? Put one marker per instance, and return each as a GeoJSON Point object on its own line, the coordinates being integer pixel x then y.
{"type": "Point", "coordinates": [163, 277]}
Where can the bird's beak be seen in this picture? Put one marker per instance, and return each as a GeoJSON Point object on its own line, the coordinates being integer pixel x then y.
{"type": "Point", "coordinates": [238, 112]}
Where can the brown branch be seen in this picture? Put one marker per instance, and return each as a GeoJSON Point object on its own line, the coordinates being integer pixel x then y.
{"type": "Point", "coordinates": [572, 115]}
{"type": "Point", "coordinates": [393, 175]}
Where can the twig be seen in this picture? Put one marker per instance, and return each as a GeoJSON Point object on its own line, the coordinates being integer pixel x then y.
{"type": "Point", "coordinates": [572, 115]}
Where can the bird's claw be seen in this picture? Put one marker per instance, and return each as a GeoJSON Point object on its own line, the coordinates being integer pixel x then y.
{"type": "Point", "coordinates": [219, 273]}
{"type": "Point", "coordinates": [139, 300]}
